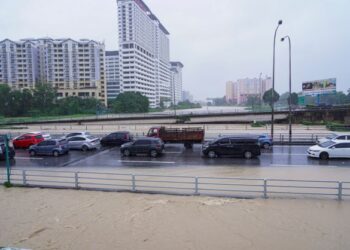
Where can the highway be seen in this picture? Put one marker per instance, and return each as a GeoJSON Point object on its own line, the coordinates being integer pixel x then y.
{"type": "Point", "coordinates": [175, 156]}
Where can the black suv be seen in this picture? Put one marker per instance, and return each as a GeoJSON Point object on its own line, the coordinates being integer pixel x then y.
{"type": "Point", "coordinates": [150, 146]}
{"type": "Point", "coordinates": [246, 147]}
{"type": "Point", "coordinates": [116, 139]}
{"type": "Point", "coordinates": [2, 150]}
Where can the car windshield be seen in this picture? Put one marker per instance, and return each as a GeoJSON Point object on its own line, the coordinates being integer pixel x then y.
{"type": "Point", "coordinates": [331, 136]}
{"type": "Point", "coordinates": [326, 144]}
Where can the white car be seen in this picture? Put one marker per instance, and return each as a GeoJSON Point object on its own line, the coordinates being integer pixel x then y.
{"type": "Point", "coordinates": [83, 143]}
{"type": "Point", "coordinates": [336, 137]}
{"type": "Point", "coordinates": [70, 135]}
{"type": "Point", "coordinates": [45, 135]}
{"type": "Point", "coordinates": [330, 149]}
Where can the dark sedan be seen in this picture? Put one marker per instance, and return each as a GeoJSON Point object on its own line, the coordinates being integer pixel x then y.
{"type": "Point", "coordinates": [246, 147]}
{"type": "Point", "coordinates": [150, 146]}
{"type": "Point", "coordinates": [116, 139]}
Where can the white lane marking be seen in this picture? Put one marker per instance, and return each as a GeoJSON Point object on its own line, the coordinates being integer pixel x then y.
{"type": "Point", "coordinates": [285, 165]}
{"type": "Point", "coordinates": [28, 158]}
{"type": "Point", "coordinates": [291, 146]}
{"type": "Point", "coordinates": [169, 152]}
{"type": "Point", "coordinates": [152, 162]}
{"type": "Point", "coordinates": [284, 154]}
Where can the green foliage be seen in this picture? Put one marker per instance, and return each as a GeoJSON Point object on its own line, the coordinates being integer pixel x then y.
{"type": "Point", "coordinates": [258, 124]}
{"type": "Point", "coordinates": [270, 97]}
{"type": "Point", "coordinates": [187, 105]}
{"type": "Point", "coordinates": [8, 184]}
{"type": "Point", "coordinates": [294, 99]}
{"type": "Point", "coordinates": [183, 119]}
{"type": "Point", "coordinates": [130, 102]}
{"type": "Point", "coordinates": [42, 101]}
{"type": "Point", "coordinates": [253, 101]}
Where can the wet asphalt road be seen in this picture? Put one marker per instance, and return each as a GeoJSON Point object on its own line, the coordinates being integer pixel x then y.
{"type": "Point", "coordinates": [175, 156]}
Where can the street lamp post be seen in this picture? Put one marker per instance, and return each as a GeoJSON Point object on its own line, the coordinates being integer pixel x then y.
{"type": "Point", "coordinates": [290, 87]}
{"type": "Point", "coordinates": [273, 79]}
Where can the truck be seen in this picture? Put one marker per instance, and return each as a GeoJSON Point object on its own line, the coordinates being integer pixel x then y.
{"type": "Point", "coordinates": [187, 136]}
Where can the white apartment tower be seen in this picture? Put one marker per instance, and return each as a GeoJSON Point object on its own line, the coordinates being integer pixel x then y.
{"type": "Point", "coordinates": [112, 74]}
{"type": "Point", "coordinates": [144, 52]}
{"type": "Point", "coordinates": [176, 82]}
{"type": "Point", "coordinates": [73, 68]}
{"type": "Point", "coordinates": [18, 64]}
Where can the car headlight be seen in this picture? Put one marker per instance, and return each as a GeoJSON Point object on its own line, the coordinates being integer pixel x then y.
{"type": "Point", "coordinates": [314, 151]}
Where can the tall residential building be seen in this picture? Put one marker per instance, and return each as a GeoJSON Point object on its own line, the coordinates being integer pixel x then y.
{"type": "Point", "coordinates": [238, 92]}
{"type": "Point", "coordinates": [187, 96]}
{"type": "Point", "coordinates": [73, 68]}
{"type": "Point", "coordinates": [144, 52]}
{"type": "Point", "coordinates": [112, 74]}
{"type": "Point", "coordinates": [18, 64]}
{"type": "Point", "coordinates": [176, 81]}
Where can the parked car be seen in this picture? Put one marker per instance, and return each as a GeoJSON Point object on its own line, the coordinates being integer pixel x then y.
{"type": "Point", "coordinates": [246, 147]}
{"type": "Point", "coordinates": [50, 147]}
{"type": "Point", "coordinates": [336, 137]}
{"type": "Point", "coordinates": [70, 135]}
{"type": "Point", "coordinates": [12, 152]}
{"type": "Point", "coordinates": [27, 140]}
{"type": "Point", "coordinates": [265, 141]}
{"type": "Point", "coordinates": [330, 149]}
{"type": "Point", "coordinates": [83, 143]}
{"type": "Point", "coordinates": [44, 134]}
{"type": "Point", "coordinates": [116, 139]}
{"type": "Point", "coordinates": [151, 146]}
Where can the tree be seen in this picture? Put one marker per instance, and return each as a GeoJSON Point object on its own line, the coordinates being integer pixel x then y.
{"type": "Point", "coordinates": [270, 97]}
{"type": "Point", "coordinates": [293, 99]}
{"type": "Point", "coordinates": [130, 102]}
{"type": "Point", "coordinates": [44, 98]}
{"type": "Point", "coordinates": [253, 100]}
{"type": "Point", "coordinates": [4, 97]}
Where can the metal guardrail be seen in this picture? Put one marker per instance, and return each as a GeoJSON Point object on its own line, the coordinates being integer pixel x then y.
{"type": "Point", "coordinates": [180, 185]}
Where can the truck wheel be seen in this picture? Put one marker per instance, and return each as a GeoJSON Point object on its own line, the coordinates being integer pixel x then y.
{"type": "Point", "coordinates": [188, 145]}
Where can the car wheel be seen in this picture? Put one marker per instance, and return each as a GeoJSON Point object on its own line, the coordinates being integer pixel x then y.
{"type": "Point", "coordinates": [32, 153]}
{"type": "Point", "coordinates": [126, 152]}
{"type": "Point", "coordinates": [324, 156]}
{"type": "Point", "coordinates": [266, 145]}
{"type": "Point", "coordinates": [84, 148]}
{"type": "Point", "coordinates": [55, 153]}
{"type": "Point", "coordinates": [212, 154]}
{"type": "Point", "coordinates": [153, 153]}
{"type": "Point", "coordinates": [248, 155]}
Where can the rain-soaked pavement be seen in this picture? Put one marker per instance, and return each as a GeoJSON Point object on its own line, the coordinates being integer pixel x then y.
{"type": "Point", "coordinates": [175, 156]}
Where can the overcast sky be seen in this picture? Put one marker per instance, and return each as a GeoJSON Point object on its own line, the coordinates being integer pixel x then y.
{"type": "Point", "coordinates": [216, 40]}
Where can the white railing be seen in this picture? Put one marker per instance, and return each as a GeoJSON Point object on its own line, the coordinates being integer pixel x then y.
{"type": "Point", "coordinates": [181, 185]}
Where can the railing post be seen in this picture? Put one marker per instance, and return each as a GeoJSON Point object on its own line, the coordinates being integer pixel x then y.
{"type": "Point", "coordinates": [76, 180]}
{"type": "Point", "coordinates": [24, 177]}
{"type": "Point", "coordinates": [265, 189]}
{"type": "Point", "coordinates": [196, 191]}
{"type": "Point", "coordinates": [340, 191]}
{"type": "Point", "coordinates": [133, 183]}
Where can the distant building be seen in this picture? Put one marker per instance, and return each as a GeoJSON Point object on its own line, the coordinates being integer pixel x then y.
{"type": "Point", "coordinates": [73, 68]}
{"type": "Point", "coordinates": [112, 74]}
{"type": "Point", "coordinates": [238, 92]}
{"type": "Point", "coordinates": [144, 52]}
{"type": "Point", "coordinates": [186, 96]}
{"type": "Point", "coordinates": [176, 82]}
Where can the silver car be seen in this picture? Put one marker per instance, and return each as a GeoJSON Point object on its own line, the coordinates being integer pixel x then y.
{"type": "Point", "coordinates": [73, 134]}
{"type": "Point", "coordinates": [83, 143]}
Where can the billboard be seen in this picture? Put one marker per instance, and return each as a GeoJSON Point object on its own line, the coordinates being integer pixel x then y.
{"type": "Point", "coordinates": [319, 87]}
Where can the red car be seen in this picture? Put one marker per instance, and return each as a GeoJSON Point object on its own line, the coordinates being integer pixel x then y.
{"type": "Point", "coordinates": [27, 140]}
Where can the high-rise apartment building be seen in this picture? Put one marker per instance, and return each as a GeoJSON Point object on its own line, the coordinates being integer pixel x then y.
{"type": "Point", "coordinates": [18, 64]}
{"type": "Point", "coordinates": [176, 82]}
{"type": "Point", "coordinates": [73, 68]}
{"type": "Point", "coordinates": [144, 52]}
{"type": "Point", "coordinates": [112, 74]}
{"type": "Point", "coordinates": [238, 92]}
